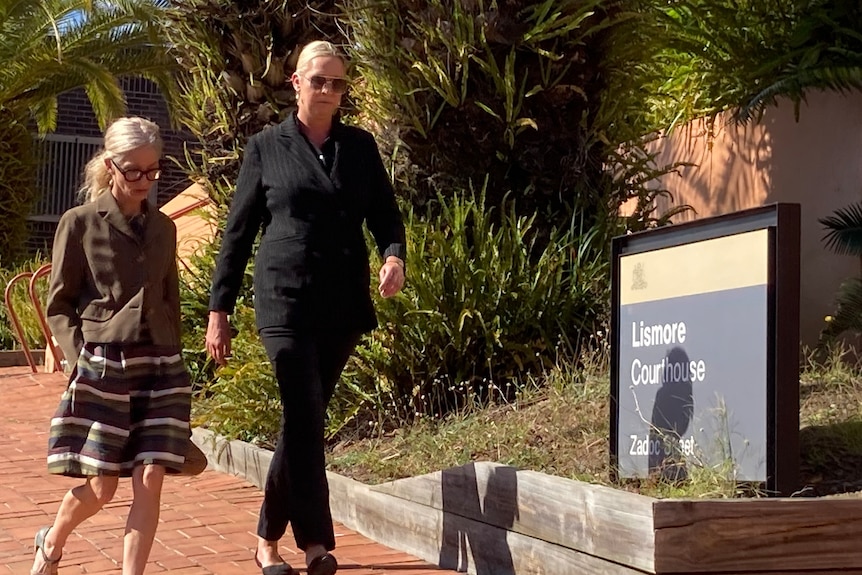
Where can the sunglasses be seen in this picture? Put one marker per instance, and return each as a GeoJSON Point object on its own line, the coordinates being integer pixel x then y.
{"type": "Point", "coordinates": [133, 175]}
{"type": "Point", "coordinates": [337, 85]}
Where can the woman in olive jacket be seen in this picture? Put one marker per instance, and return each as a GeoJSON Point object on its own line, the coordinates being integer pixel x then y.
{"type": "Point", "coordinates": [309, 184]}
{"type": "Point", "coordinates": [113, 305]}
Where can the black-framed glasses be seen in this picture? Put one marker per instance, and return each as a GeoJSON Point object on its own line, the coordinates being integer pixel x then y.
{"type": "Point", "coordinates": [337, 85]}
{"type": "Point", "coordinates": [133, 175]}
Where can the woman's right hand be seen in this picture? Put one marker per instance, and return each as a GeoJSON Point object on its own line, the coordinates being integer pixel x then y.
{"type": "Point", "coordinates": [218, 337]}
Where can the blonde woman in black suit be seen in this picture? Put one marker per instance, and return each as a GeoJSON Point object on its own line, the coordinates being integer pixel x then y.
{"type": "Point", "coordinates": [113, 305]}
{"type": "Point", "coordinates": [308, 185]}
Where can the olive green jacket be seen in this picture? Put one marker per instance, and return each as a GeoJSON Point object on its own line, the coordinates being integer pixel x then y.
{"type": "Point", "coordinates": [107, 283]}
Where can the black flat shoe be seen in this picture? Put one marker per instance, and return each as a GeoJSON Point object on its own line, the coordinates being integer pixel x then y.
{"type": "Point", "coordinates": [323, 565]}
{"type": "Point", "coordinates": [282, 568]}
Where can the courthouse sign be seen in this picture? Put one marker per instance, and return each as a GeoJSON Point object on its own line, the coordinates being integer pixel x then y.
{"type": "Point", "coordinates": [705, 361]}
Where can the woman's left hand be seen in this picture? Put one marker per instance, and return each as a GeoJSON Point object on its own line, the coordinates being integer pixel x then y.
{"type": "Point", "coordinates": [391, 277]}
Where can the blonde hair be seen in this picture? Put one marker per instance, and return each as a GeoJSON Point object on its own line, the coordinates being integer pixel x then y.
{"type": "Point", "coordinates": [123, 135]}
{"type": "Point", "coordinates": [317, 48]}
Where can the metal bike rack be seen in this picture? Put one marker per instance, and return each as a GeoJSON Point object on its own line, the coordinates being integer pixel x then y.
{"type": "Point", "coordinates": [43, 322]}
{"type": "Point", "coordinates": [16, 323]}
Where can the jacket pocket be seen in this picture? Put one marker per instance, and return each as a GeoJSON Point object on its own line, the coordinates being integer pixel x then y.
{"type": "Point", "coordinates": [97, 312]}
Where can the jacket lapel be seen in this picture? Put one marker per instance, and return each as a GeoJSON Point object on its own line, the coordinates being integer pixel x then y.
{"type": "Point", "coordinates": [302, 149]}
{"type": "Point", "coordinates": [110, 211]}
{"type": "Point", "coordinates": [154, 231]}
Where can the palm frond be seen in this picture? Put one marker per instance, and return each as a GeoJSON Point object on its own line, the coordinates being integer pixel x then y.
{"type": "Point", "coordinates": [839, 78]}
{"type": "Point", "coordinates": [45, 113]}
{"type": "Point", "coordinates": [105, 95]}
{"type": "Point", "coordinates": [844, 236]}
{"type": "Point", "coordinates": [59, 45]}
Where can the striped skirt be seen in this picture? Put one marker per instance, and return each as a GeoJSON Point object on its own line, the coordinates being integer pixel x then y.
{"type": "Point", "coordinates": [125, 405]}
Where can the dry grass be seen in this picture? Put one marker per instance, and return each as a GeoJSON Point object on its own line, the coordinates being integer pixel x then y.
{"type": "Point", "coordinates": [556, 431]}
{"type": "Point", "coordinates": [831, 423]}
{"type": "Point", "coordinates": [562, 429]}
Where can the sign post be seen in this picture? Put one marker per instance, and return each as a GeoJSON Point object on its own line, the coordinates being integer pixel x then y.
{"type": "Point", "coordinates": [705, 349]}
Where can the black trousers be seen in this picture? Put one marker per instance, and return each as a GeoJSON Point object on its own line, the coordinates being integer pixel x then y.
{"type": "Point", "coordinates": [307, 366]}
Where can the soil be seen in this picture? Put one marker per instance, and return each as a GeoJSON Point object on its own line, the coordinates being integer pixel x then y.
{"type": "Point", "coordinates": [830, 440]}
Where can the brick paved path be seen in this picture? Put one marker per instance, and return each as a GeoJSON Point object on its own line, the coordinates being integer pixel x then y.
{"type": "Point", "coordinates": [207, 522]}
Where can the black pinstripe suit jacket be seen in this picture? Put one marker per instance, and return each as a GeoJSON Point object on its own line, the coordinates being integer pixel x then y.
{"type": "Point", "coordinates": [311, 268]}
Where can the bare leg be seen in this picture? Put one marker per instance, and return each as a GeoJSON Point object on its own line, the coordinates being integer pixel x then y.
{"type": "Point", "coordinates": [78, 504]}
{"type": "Point", "coordinates": [143, 517]}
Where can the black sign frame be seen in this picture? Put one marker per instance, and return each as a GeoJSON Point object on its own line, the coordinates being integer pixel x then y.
{"type": "Point", "coordinates": [782, 220]}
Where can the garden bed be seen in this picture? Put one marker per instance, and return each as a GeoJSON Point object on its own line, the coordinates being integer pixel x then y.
{"type": "Point", "coordinates": [485, 517]}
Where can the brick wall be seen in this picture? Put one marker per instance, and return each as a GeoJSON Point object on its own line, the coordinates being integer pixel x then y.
{"type": "Point", "coordinates": [75, 117]}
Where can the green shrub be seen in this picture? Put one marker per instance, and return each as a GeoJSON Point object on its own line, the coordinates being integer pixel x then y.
{"type": "Point", "coordinates": [483, 309]}
{"type": "Point", "coordinates": [844, 237]}
{"type": "Point", "coordinates": [241, 399]}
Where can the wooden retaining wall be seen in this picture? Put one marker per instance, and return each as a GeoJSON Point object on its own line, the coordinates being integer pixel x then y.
{"type": "Point", "coordinates": [492, 519]}
{"type": "Point", "coordinates": [14, 358]}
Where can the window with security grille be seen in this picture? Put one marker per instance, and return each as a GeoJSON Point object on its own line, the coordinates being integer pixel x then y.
{"type": "Point", "coordinates": [61, 159]}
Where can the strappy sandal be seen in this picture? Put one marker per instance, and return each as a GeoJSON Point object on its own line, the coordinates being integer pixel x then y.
{"type": "Point", "coordinates": [51, 566]}
{"type": "Point", "coordinates": [323, 565]}
{"type": "Point", "coordinates": [282, 568]}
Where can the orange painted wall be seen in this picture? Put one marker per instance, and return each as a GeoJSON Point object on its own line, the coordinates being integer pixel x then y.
{"type": "Point", "coordinates": [816, 162]}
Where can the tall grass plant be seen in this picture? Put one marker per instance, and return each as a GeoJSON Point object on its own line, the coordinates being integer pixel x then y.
{"type": "Point", "coordinates": [20, 300]}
